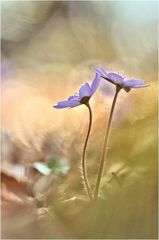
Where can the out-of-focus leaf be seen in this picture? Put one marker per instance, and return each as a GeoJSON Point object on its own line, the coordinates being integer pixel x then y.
{"type": "Point", "coordinates": [42, 168]}
{"type": "Point", "coordinates": [58, 166]}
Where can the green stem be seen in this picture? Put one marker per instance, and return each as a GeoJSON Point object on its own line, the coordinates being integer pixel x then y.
{"type": "Point", "coordinates": [104, 153]}
{"type": "Point", "coordinates": [84, 172]}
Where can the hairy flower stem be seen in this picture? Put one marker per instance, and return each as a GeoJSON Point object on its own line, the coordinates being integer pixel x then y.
{"type": "Point", "coordinates": [84, 172]}
{"type": "Point", "coordinates": [105, 146]}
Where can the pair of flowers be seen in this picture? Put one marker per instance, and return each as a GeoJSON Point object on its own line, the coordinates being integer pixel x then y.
{"type": "Point", "coordinates": [86, 91]}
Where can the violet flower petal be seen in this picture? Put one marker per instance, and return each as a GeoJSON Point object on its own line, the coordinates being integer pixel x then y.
{"type": "Point", "coordinates": [116, 78]}
{"type": "Point", "coordinates": [101, 71]}
{"type": "Point", "coordinates": [67, 103]}
{"type": "Point", "coordinates": [132, 83]}
{"type": "Point", "coordinates": [95, 83]}
{"type": "Point", "coordinates": [74, 97]}
{"type": "Point", "coordinates": [84, 91]}
{"type": "Point", "coordinates": [141, 86]}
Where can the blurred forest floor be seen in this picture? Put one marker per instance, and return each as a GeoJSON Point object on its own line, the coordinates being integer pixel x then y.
{"type": "Point", "coordinates": [48, 50]}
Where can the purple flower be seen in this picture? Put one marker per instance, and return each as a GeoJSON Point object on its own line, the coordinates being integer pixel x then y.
{"type": "Point", "coordinates": [120, 81]}
{"type": "Point", "coordinates": [85, 92]}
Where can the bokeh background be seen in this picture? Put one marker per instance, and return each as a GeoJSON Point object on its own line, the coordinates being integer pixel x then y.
{"type": "Point", "coordinates": [48, 48]}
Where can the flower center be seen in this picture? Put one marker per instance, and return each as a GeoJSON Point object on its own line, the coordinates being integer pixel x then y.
{"type": "Point", "coordinates": [84, 100]}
